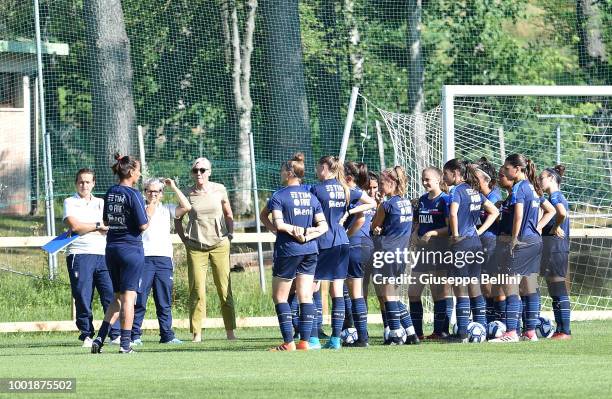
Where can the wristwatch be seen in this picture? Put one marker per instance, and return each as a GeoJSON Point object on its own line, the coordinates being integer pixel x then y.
{"type": "Point", "coordinates": [230, 236]}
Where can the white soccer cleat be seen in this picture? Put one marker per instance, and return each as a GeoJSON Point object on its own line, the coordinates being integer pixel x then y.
{"type": "Point", "coordinates": [506, 337]}
{"type": "Point", "coordinates": [87, 342]}
{"type": "Point", "coordinates": [116, 341]}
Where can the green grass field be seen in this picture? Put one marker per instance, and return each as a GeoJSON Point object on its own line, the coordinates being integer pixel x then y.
{"type": "Point", "coordinates": [218, 368]}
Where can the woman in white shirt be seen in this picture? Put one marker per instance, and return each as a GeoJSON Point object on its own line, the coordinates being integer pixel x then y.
{"type": "Point", "coordinates": [158, 270]}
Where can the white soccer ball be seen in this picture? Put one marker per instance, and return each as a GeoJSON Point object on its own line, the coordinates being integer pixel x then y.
{"type": "Point", "coordinates": [349, 335]}
{"type": "Point", "coordinates": [398, 337]}
{"type": "Point", "coordinates": [545, 327]}
{"type": "Point", "coordinates": [476, 332]}
{"type": "Point", "coordinates": [495, 329]}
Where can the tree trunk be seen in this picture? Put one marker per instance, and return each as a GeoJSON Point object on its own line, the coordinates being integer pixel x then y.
{"type": "Point", "coordinates": [354, 43]}
{"type": "Point", "coordinates": [287, 104]}
{"type": "Point", "coordinates": [114, 115]}
{"type": "Point", "coordinates": [240, 56]}
{"type": "Point", "coordinates": [328, 84]}
{"type": "Point", "coordinates": [416, 83]}
{"type": "Point", "coordinates": [591, 48]}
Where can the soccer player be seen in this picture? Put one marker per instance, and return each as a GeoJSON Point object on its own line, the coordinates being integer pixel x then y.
{"type": "Point", "coordinates": [393, 224]}
{"type": "Point", "coordinates": [159, 268]}
{"type": "Point", "coordinates": [555, 254]}
{"type": "Point", "coordinates": [431, 234]}
{"type": "Point", "coordinates": [487, 179]}
{"type": "Point", "coordinates": [86, 264]}
{"type": "Point", "coordinates": [466, 202]}
{"type": "Point", "coordinates": [361, 246]}
{"type": "Point", "coordinates": [298, 220]}
{"type": "Point", "coordinates": [525, 248]}
{"type": "Point", "coordinates": [333, 259]}
{"type": "Point", "coordinates": [126, 218]}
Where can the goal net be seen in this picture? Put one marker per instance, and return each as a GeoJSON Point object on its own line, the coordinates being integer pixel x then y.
{"type": "Point", "coordinates": [575, 131]}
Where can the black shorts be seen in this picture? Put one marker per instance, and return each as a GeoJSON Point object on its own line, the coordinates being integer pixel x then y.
{"type": "Point", "coordinates": [288, 267]}
{"type": "Point", "coordinates": [332, 263]}
{"type": "Point", "coordinates": [526, 257]}
{"type": "Point", "coordinates": [468, 257]}
{"type": "Point", "coordinates": [359, 256]}
{"type": "Point", "coordinates": [125, 265]}
{"type": "Point", "coordinates": [554, 264]}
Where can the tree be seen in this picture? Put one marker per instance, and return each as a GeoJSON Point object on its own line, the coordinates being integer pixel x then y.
{"type": "Point", "coordinates": [287, 118]}
{"type": "Point", "coordinates": [114, 115]}
{"type": "Point", "coordinates": [591, 47]}
{"type": "Point", "coordinates": [416, 83]}
{"type": "Point", "coordinates": [354, 37]}
{"type": "Point", "coordinates": [328, 82]}
{"type": "Point", "coordinates": [238, 56]}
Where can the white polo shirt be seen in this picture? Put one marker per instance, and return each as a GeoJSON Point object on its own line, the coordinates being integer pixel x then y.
{"type": "Point", "coordinates": [86, 211]}
{"type": "Point", "coordinates": [156, 238]}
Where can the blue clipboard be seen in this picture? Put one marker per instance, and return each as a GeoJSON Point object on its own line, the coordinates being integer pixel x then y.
{"type": "Point", "coordinates": [60, 242]}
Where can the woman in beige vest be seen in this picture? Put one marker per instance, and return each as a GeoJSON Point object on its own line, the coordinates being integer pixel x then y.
{"type": "Point", "coordinates": [207, 241]}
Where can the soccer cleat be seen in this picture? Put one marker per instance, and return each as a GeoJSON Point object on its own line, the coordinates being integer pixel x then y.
{"type": "Point", "coordinates": [96, 346]}
{"type": "Point", "coordinates": [284, 347]}
{"type": "Point", "coordinates": [302, 346]}
{"type": "Point", "coordinates": [322, 334]}
{"type": "Point", "coordinates": [436, 337]}
{"type": "Point", "coordinates": [559, 336]}
{"type": "Point", "coordinates": [457, 339]}
{"type": "Point", "coordinates": [127, 351]}
{"type": "Point", "coordinates": [412, 340]}
{"type": "Point", "coordinates": [357, 344]}
{"type": "Point", "coordinates": [314, 343]}
{"type": "Point", "coordinates": [510, 336]}
{"type": "Point", "coordinates": [421, 337]}
{"type": "Point", "coordinates": [529, 335]}
{"type": "Point", "coordinates": [173, 341]}
{"type": "Point", "coordinates": [136, 342]}
{"type": "Point", "coordinates": [333, 343]}
{"type": "Point", "coordinates": [87, 342]}
{"type": "Point", "coordinates": [116, 341]}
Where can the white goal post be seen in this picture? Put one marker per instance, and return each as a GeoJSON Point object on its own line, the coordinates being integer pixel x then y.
{"type": "Point", "coordinates": [451, 92]}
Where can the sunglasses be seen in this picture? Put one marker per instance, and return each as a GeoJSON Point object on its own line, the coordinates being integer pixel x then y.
{"type": "Point", "coordinates": [196, 170]}
{"type": "Point", "coordinates": [154, 191]}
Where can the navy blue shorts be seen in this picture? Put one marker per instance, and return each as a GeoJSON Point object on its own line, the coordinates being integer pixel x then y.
{"type": "Point", "coordinates": [488, 246]}
{"type": "Point", "coordinates": [526, 257]}
{"type": "Point", "coordinates": [125, 265]}
{"type": "Point", "coordinates": [288, 267]}
{"type": "Point", "coordinates": [468, 256]}
{"type": "Point", "coordinates": [332, 263]}
{"type": "Point", "coordinates": [359, 256]}
{"type": "Point", "coordinates": [554, 263]}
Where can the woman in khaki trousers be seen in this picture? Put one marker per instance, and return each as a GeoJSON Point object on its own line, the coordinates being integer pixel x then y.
{"type": "Point", "coordinates": [207, 241]}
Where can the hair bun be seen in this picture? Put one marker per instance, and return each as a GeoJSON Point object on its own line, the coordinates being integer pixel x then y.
{"type": "Point", "coordinates": [117, 156]}
{"type": "Point", "coordinates": [560, 169]}
{"type": "Point", "coordinates": [298, 157]}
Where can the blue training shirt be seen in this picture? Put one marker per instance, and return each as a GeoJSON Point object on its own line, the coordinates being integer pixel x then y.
{"type": "Point", "coordinates": [364, 230]}
{"type": "Point", "coordinates": [494, 196]}
{"type": "Point", "coordinates": [506, 216]}
{"type": "Point", "coordinates": [468, 215]}
{"type": "Point", "coordinates": [298, 206]}
{"type": "Point", "coordinates": [398, 217]}
{"type": "Point", "coordinates": [524, 193]}
{"type": "Point", "coordinates": [124, 212]}
{"type": "Point", "coordinates": [331, 195]}
{"type": "Point", "coordinates": [432, 213]}
{"type": "Point", "coordinates": [555, 199]}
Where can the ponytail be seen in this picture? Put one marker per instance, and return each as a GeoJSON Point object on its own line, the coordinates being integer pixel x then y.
{"type": "Point", "coordinates": [471, 178]}
{"type": "Point", "coordinates": [337, 169]}
{"type": "Point", "coordinates": [124, 165]}
{"type": "Point", "coordinates": [531, 172]}
{"type": "Point", "coordinates": [398, 175]}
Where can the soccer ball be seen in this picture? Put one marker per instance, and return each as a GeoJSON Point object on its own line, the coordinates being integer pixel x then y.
{"type": "Point", "coordinates": [349, 335]}
{"type": "Point", "coordinates": [495, 329]}
{"type": "Point", "coordinates": [397, 337]}
{"type": "Point", "coordinates": [545, 327]}
{"type": "Point", "coordinates": [476, 332]}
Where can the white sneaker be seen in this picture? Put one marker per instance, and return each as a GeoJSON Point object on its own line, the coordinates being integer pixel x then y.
{"type": "Point", "coordinates": [87, 342]}
{"type": "Point", "coordinates": [506, 337]}
{"type": "Point", "coordinates": [116, 341]}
